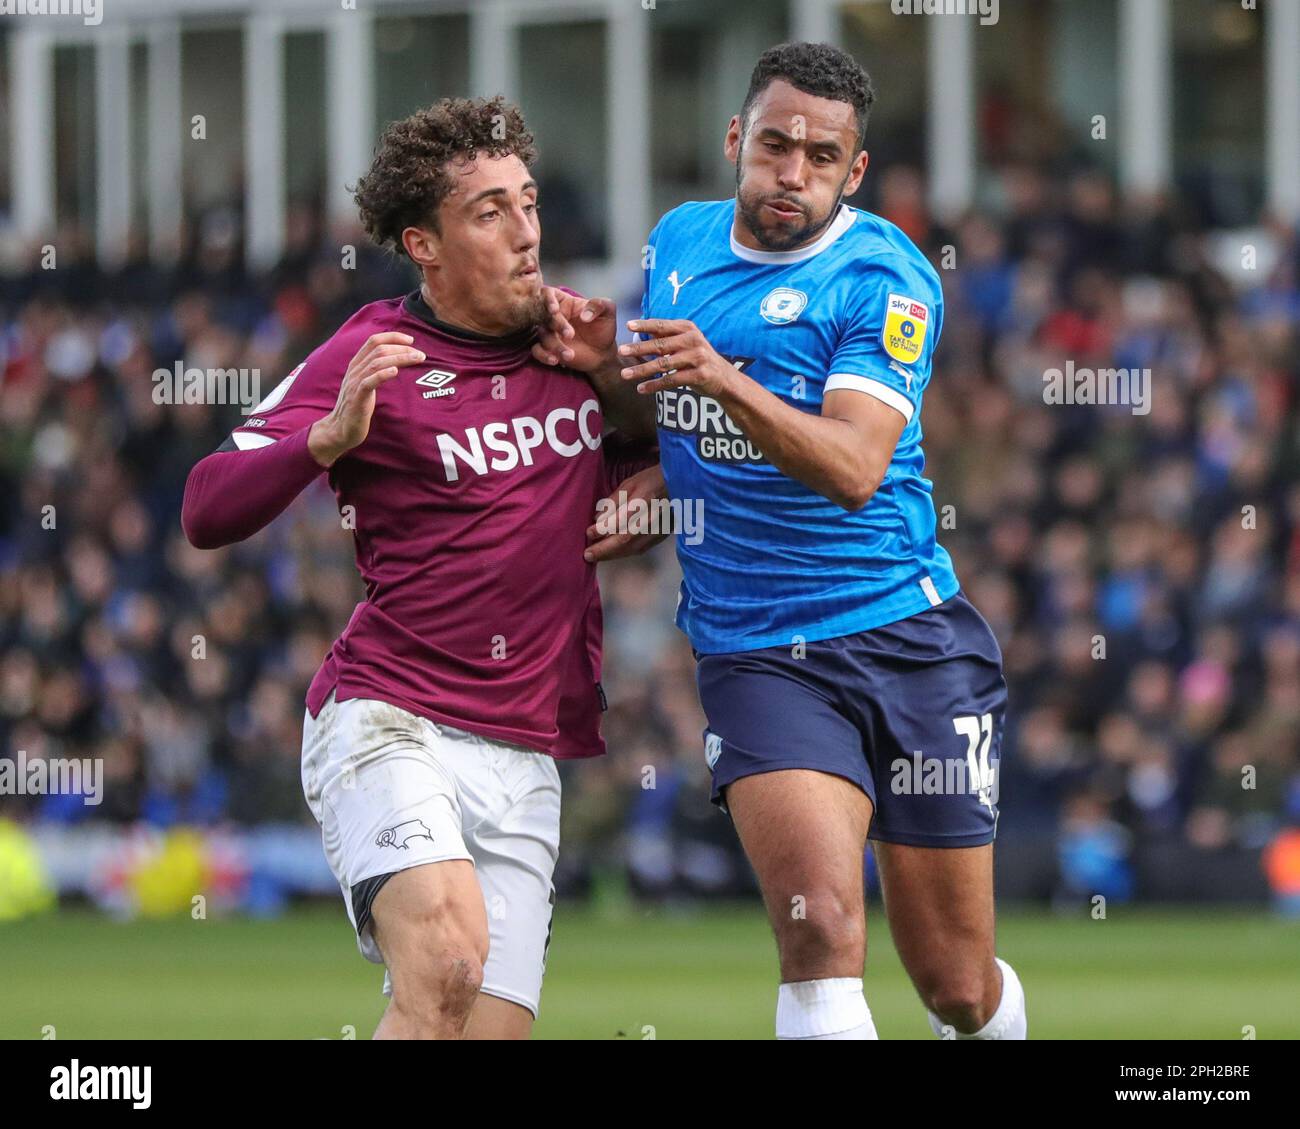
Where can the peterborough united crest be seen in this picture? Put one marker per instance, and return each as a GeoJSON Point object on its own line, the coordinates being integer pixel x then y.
{"type": "Point", "coordinates": [783, 305]}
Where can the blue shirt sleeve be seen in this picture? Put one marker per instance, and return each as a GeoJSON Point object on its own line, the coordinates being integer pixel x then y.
{"type": "Point", "coordinates": [889, 337]}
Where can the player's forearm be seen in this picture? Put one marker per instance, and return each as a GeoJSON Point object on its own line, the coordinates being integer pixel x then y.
{"type": "Point", "coordinates": [622, 408]}
{"type": "Point", "coordinates": [625, 457]}
{"type": "Point", "coordinates": [825, 454]}
{"type": "Point", "coordinates": [230, 495]}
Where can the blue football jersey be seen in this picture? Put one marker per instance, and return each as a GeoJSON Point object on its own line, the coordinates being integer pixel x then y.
{"type": "Point", "coordinates": [860, 308]}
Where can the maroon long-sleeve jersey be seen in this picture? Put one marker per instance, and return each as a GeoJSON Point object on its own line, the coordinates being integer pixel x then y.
{"type": "Point", "coordinates": [469, 502]}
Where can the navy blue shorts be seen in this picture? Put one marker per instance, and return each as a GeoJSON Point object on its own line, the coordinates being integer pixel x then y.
{"type": "Point", "coordinates": [910, 712]}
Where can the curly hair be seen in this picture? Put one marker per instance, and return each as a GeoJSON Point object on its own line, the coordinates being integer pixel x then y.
{"type": "Point", "coordinates": [818, 69]}
{"type": "Point", "coordinates": [409, 176]}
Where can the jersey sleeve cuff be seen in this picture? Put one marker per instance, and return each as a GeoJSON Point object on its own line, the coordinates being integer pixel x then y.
{"type": "Point", "coordinates": [876, 388]}
{"type": "Point", "coordinates": [292, 453]}
{"type": "Point", "coordinates": [250, 440]}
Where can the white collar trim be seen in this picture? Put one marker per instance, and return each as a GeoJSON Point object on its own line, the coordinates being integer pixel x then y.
{"type": "Point", "coordinates": [842, 222]}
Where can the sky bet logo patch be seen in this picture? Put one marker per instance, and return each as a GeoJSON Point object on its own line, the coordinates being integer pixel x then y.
{"type": "Point", "coordinates": [439, 382]}
{"type": "Point", "coordinates": [906, 324]}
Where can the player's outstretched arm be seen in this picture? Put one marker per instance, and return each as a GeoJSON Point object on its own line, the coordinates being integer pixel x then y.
{"type": "Point", "coordinates": [230, 495]}
{"type": "Point", "coordinates": [842, 454]}
{"type": "Point", "coordinates": [580, 334]}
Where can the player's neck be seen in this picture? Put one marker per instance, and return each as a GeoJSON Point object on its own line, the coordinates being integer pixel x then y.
{"type": "Point", "coordinates": [444, 310]}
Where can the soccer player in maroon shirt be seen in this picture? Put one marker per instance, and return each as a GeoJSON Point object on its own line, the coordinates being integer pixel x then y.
{"type": "Point", "coordinates": [469, 472]}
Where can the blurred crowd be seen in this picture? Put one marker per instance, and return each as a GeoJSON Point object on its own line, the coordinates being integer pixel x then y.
{"type": "Point", "coordinates": [1142, 571]}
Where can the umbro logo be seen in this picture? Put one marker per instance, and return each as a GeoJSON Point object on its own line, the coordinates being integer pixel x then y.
{"type": "Point", "coordinates": [439, 383]}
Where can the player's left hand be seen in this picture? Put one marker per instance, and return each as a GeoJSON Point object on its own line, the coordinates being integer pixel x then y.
{"type": "Point", "coordinates": [604, 543]}
{"type": "Point", "coordinates": [682, 355]}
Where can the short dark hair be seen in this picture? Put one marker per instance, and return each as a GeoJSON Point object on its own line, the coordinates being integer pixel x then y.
{"type": "Point", "coordinates": [818, 69]}
{"type": "Point", "coordinates": [409, 178]}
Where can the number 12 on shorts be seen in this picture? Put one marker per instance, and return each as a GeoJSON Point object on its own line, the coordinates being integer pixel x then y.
{"type": "Point", "coordinates": [978, 731]}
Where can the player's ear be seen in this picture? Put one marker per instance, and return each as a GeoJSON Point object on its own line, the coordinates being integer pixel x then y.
{"type": "Point", "coordinates": [731, 146]}
{"type": "Point", "coordinates": [856, 172]}
{"type": "Point", "coordinates": [421, 246]}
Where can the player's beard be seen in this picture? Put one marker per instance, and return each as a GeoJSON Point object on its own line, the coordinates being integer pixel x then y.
{"type": "Point", "coordinates": [526, 313]}
{"type": "Point", "coordinates": [751, 211]}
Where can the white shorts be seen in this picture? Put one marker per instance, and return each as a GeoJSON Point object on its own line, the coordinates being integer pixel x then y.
{"type": "Point", "coordinates": [392, 790]}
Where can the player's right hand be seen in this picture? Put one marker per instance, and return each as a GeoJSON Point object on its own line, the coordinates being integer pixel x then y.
{"type": "Point", "coordinates": [604, 541]}
{"type": "Point", "coordinates": [579, 332]}
{"type": "Point", "coordinates": [377, 362]}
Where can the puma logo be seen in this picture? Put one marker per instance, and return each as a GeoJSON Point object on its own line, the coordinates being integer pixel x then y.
{"type": "Point", "coordinates": [907, 376]}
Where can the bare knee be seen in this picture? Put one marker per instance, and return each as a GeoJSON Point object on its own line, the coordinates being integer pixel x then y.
{"type": "Point", "coordinates": [439, 991]}
{"type": "Point", "coordinates": [821, 935]}
{"type": "Point", "coordinates": [964, 997]}
{"type": "Point", "coordinates": [436, 983]}
{"type": "Point", "coordinates": [441, 960]}
{"type": "Point", "coordinates": [804, 832]}
{"type": "Point", "coordinates": [435, 951]}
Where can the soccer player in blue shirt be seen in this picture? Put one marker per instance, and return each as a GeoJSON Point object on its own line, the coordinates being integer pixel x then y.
{"type": "Point", "coordinates": [851, 690]}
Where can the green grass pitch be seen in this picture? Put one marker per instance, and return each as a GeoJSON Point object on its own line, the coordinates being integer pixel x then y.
{"type": "Point", "coordinates": [639, 973]}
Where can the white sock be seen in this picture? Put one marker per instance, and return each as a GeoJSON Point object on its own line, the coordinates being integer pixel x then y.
{"type": "Point", "coordinates": [1009, 1020]}
{"type": "Point", "coordinates": [823, 1009]}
